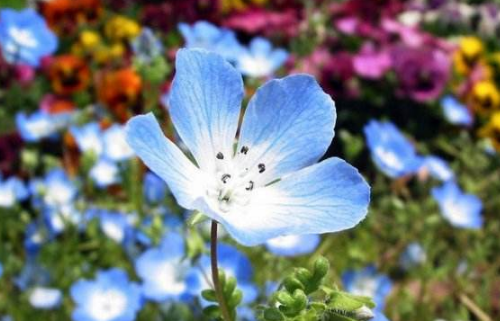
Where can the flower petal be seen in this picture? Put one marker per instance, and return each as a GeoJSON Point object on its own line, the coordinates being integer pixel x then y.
{"type": "Point", "coordinates": [205, 104]}
{"type": "Point", "coordinates": [164, 158]}
{"type": "Point", "coordinates": [288, 125]}
{"type": "Point", "coordinates": [326, 197]}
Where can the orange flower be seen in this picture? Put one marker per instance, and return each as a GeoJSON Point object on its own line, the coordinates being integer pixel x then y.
{"type": "Point", "coordinates": [119, 90]}
{"type": "Point", "coordinates": [63, 16]}
{"type": "Point", "coordinates": [69, 74]}
{"type": "Point", "coordinates": [55, 105]}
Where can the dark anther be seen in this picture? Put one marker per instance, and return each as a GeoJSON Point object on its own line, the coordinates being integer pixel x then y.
{"type": "Point", "coordinates": [261, 167]}
{"type": "Point", "coordinates": [244, 150]}
{"type": "Point", "coordinates": [225, 177]}
{"type": "Point", "coordinates": [250, 186]}
{"type": "Point", "coordinates": [220, 155]}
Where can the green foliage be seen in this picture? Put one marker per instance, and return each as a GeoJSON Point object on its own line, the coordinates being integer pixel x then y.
{"type": "Point", "coordinates": [230, 294]}
{"type": "Point", "coordinates": [303, 296]}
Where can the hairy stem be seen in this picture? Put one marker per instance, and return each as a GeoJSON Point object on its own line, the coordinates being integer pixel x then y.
{"type": "Point", "coordinates": [215, 273]}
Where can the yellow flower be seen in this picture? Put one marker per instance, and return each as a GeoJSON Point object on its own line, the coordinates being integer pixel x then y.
{"type": "Point", "coordinates": [107, 53]}
{"type": "Point", "coordinates": [485, 97]}
{"type": "Point", "coordinates": [87, 42]}
{"type": "Point", "coordinates": [470, 52]}
{"type": "Point", "coordinates": [230, 5]}
{"type": "Point", "coordinates": [492, 130]}
{"type": "Point", "coordinates": [120, 28]}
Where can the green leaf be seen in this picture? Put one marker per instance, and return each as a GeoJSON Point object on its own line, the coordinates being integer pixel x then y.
{"type": "Point", "coordinates": [209, 295]}
{"type": "Point", "coordinates": [212, 311]}
{"type": "Point", "coordinates": [197, 218]}
{"type": "Point", "coordinates": [273, 314]}
{"type": "Point", "coordinates": [235, 299]}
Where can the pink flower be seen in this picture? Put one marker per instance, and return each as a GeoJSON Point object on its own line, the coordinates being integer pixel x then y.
{"type": "Point", "coordinates": [370, 63]}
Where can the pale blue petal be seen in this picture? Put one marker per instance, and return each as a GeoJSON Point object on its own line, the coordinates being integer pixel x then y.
{"type": "Point", "coordinates": [323, 198]}
{"type": "Point", "coordinates": [205, 103]}
{"type": "Point", "coordinates": [288, 125]}
{"type": "Point", "coordinates": [164, 158]}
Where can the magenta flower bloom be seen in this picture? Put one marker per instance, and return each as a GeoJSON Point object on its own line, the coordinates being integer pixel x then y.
{"type": "Point", "coordinates": [370, 63]}
{"type": "Point", "coordinates": [422, 72]}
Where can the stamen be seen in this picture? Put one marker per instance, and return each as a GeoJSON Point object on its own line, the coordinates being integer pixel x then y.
{"type": "Point", "coordinates": [261, 167]}
{"type": "Point", "coordinates": [244, 150]}
{"type": "Point", "coordinates": [250, 186]}
{"type": "Point", "coordinates": [225, 177]}
{"type": "Point", "coordinates": [220, 155]}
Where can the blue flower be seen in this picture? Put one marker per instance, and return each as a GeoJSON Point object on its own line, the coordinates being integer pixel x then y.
{"type": "Point", "coordinates": [115, 225]}
{"type": "Point", "coordinates": [40, 124]}
{"type": "Point", "coordinates": [163, 271]}
{"type": "Point", "coordinates": [413, 255]}
{"type": "Point", "coordinates": [45, 298]}
{"type": "Point", "coordinates": [293, 245]}
{"type": "Point", "coordinates": [234, 263]}
{"type": "Point", "coordinates": [461, 210]}
{"type": "Point", "coordinates": [455, 112]}
{"type": "Point", "coordinates": [88, 138]}
{"type": "Point", "coordinates": [1, 270]}
{"type": "Point", "coordinates": [12, 190]}
{"type": "Point", "coordinates": [35, 236]}
{"type": "Point", "coordinates": [146, 46]}
{"type": "Point", "coordinates": [25, 37]}
{"type": "Point", "coordinates": [104, 173]}
{"type": "Point", "coordinates": [271, 186]}
{"type": "Point", "coordinates": [394, 155]}
{"type": "Point", "coordinates": [260, 59]}
{"type": "Point", "coordinates": [368, 282]}
{"type": "Point", "coordinates": [438, 168]}
{"type": "Point", "coordinates": [204, 35]}
{"type": "Point", "coordinates": [116, 147]}
{"type": "Point", "coordinates": [57, 189]}
{"type": "Point", "coordinates": [57, 218]}
{"type": "Point", "coordinates": [110, 297]}
{"type": "Point", "coordinates": [155, 189]}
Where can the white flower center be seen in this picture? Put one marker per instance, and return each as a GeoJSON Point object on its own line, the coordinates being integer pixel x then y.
{"type": "Point", "coordinates": [107, 305]}
{"type": "Point", "coordinates": [456, 212]}
{"type": "Point", "coordinates": [389, 158]}
{"type": "Point", "coordinates": [365, 286]}
{"type": "Point", "coordinates": [233, 183]}
{"type": "Point", "coordinates": [23, 37]}
{"type": "Point", "coordinates": [169, 278]}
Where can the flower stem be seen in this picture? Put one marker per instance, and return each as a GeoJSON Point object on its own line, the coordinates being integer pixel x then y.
{"type": "Point", "coordinates": [226, 316]}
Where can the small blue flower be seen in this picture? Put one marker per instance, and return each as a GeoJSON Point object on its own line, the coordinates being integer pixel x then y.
{"type": "Point", "coordinates": [104, 173]}
{"type": "Point", "coordinates": [163, 271]}
{"type": "Point", "coordinates": [25, 37]}
{"type": "Point", "coordinates": [110, 297]}
{"type": "Point", "coordinates": [57, 189]}
{"type": "Point", "coordinates": [293, 245]}
{"type": "Point", "coordinates": [438, 168]}
{"type": "Point", "coordinates": [57, 218]}
{"type": "Point", "coordinates": [12, 190]}
{"type": "Point", "coordinates": [260, 59]}
{"type": "Point", "coordinates": [272, 185]}
{"type": "Point", "coordinates": [413, 255]}
{"type": "Point", "coordinates": [455, 112]}
{"type": "Point", "coordinates": [393, 154]}
{"type": "Point", "coordinates": [368, 282]}
{"type": "Point", "coordinates": [116, 147]}
{"type": "Point", "coordinates": [155, 189]}
{"type": "Point", "coordinates": [460, 209]}
{"type": "Point", "coordinates": [88, 138]}
{"type": "Point", "coordinates": [35, 236]}
{"type": "Point", "coordinates": [234, 263]}
{"type": "Point", "coordinates": [117, 226]}
{"type": "Point", "coordinates": [146, 46]}
{"type": "Point", "coordinates": [45, 298]}
{"type": "Point", "coordinates": [204, 35]}
{"type": "Point", "coordinates": [40, 124]}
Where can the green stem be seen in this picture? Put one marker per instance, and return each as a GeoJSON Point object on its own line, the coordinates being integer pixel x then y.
{"type": "Point", "coordinates": [226, 316]}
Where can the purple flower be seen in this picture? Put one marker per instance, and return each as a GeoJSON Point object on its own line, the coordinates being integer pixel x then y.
{"type": "Point", "coordinates": [422, 72]}
{"type": "Point", "coordinates": [370, 63]}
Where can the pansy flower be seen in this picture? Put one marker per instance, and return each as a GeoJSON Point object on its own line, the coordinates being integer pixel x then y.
{"type": "Point", "coordinates": [68, 74]}
{"type": "Point", "coordinates": [205, 35]}
{"type": "Point", "coordinates": [270, 184]}
{"type": "Point", "coordinates": [25, 37]}
{"type": "Point", "coordinates": [293, 245]}
{"type": "Point", "coordinates": [485, 97]}
{"type": "Point", "coordinates": [455, 112]}
{"type": "Point", "coordinates": [260, 59]}
{"type": "Point", "coordinates": [492, 131]}
{"type": "Point", "coordinates": [162, 270]}
{"type": "Point", "coordinates": [110, 297]}
{"type": "Point", "coordinates": [393, 153]}
{"type": "Point", "coordinates": [460, 209]}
